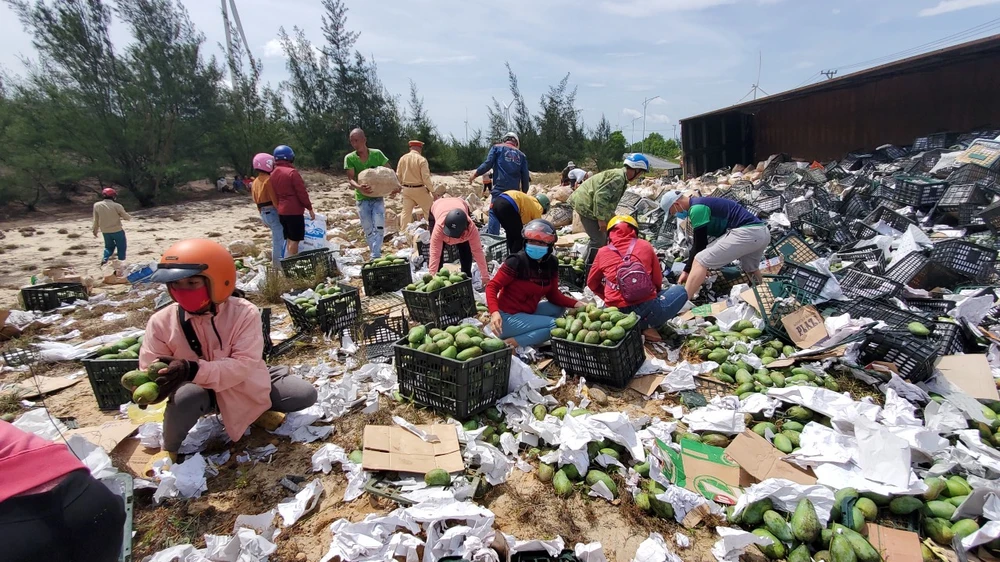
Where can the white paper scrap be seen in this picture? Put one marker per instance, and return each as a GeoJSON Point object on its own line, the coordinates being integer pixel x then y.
{"type": "Point", "coordinates": [292, 509]}
{"type": "Point", "coordinates": [734, 543]}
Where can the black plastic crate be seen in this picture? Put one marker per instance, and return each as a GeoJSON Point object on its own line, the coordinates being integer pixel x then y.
{"type": "Point", "coordinates": [914, 358]}
{"type": "Point", "coordinates": [969, 259]}
{"type": "Point", "coordinates": [650, 222]}
{"type": "Point", "coordinates": [543, 556]}
{"type": "Point", "coordinates": [770, 204]}
{"type": "Point", "coordinates": [917, 191]}
{"type": "Point", "coordinates": [314, 263]}
{"type": "Point", "coordinates": [806, 278]}
{"type": "Point", "coordinates": [862, 231]}
{"type": "Point", "coordinates": [961, 194]}
{"type": "Point", "coordinates": [794, 248]}
{"type": "Point", "coordinates": [889, 217]}
{"type": "Point", "coordinates": [50, 296]}
{"type": "Point", "coordinates": [627, 203]}
{"type": "Point", "coordinates": [450, 253]}
{"type": "Point", "coordinates": [377, 336]}
{"type": "Point", "coordinates": [571, 278]}
{"type": "Point", "coordinates": [777, 297]}
{"type": "Point", "coordinates": [930, 306]}
{"type": "Point", "coordinates": [991, 216]}
{"type": "Point", "coordinates": [460, 389]}
{"type": "Point", "coordinates": [825, 200]}
{"type": "Point", "coordinates": [855, 284]}
{"type": "Point", "coordinates": [727, 278]}
{"type": "Point", "coordinates": [106, 379]}
{"type": "Point", "coordinates": [333, 313]}
{"type": "Point", "coordinates": [494, 247]}
{"type": "Point", "coordinates": [865, 255]}
{"type": "Point", "coordinates": [968, 216]}
{"type": "Point", "coordinates": [946, 337]}
{"type": "Point", "coordinates": [894, 318]}
{"type": "Point", "coordinates": [611, 366]}
{"type": "Point", "coordinates": [795, 210]}
{"type": "Point", "coordinates": [443, 307]}
{"type": "Point", "coordinates": [972, 173]}
{"type": "Point", "coordinates": [920, 272]}
{"type": "Point", "coordinates": [856, 206]}
{"type": "Point", "coordinates": [386, 279]}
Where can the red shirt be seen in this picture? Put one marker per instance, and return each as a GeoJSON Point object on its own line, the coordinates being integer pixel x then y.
{"type": "Point", "coordinates": [521, 284]}
{"type": "Point", "coordinates": [607, 262]}
{"type": "Point", "coordinates": [27, 461]}
{"type": "Point", "coordinates": [289, 189]}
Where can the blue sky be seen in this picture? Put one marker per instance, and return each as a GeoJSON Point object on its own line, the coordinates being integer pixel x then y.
{"type": "Point", "coordinates": [697, 55]}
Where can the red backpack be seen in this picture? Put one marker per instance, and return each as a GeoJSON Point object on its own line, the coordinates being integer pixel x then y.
{"type": "Point", "coordinates": [633, 281]}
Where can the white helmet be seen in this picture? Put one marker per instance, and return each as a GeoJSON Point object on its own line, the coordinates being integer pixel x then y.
{"type": "Point", "coordinates": [637, 161]}
{"type": "Point", "coordinates": [510, 135]}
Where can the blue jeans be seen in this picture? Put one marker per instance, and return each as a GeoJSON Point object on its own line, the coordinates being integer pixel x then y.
{"type": "Point", "coordinates": [531, 329]}
{"type": "Point", "coordinates": [656, 312]}
{"type": "Point", "coordinates": [113, 241]}
{"type": "Point", "coordinates": [372, 213]}
{"type": "Point", "coordinates": [493, 226]}
{"type": "Point", "coordinates": [270, 217]}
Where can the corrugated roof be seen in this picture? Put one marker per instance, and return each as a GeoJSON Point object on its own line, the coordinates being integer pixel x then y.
{"type": "Point", "coordinates": [907, 64]}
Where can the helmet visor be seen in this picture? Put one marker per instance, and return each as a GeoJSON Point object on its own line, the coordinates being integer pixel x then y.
{"type": "Point", "coordinates": [176, 272]}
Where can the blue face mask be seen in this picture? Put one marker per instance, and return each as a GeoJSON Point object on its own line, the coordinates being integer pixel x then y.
{"type": "Point", "coordinates": [681, 215]}
{"type": "Point", "coordinates": [536, 252]}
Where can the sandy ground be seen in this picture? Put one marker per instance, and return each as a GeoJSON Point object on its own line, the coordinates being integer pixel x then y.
{"type": "Point", "coordinates": [524, 507]}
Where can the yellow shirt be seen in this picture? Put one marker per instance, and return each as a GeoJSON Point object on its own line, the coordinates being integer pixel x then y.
{"type": "Point", "coordinates": [529, 207]}
{"type": "Point", "coordinates": [413, 170]}
{"type": "Point", "coordinates": [262, 192]}
{"type": "Point", "coordinates": [108, 216]}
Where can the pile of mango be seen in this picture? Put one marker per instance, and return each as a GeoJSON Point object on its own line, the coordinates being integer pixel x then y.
{"type": "Point", "coordinates": [322, 291]}
{"type": "Point", "coordinates": [127, 348]}
{"type": "Point", "coordinates": [384, 261]}
{"type": "Point", "coordinates": [140, 383]}
{"type": "Point", "coordinates": [578, 264]}
{"type": "Point", "coordinates": [460, 343]}
{"type": "Point", "coordinates": [594, 325]}
{"type": "Point", "coordinates": [430, 283]}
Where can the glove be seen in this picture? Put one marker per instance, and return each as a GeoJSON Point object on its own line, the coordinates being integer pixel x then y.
{"type": "Point", "coordinates": [178, 372]}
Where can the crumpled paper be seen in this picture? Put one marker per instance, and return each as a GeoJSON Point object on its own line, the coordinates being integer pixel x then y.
{"type": "Point", "coordinates": [785, 495]}
{"type": "Point", "coordinates": [39, 422]}
{"type": "Point", "coordinates": [292, 509]}
{"type": "Point", "coordinates": [734, 542]}
{"type": "Point", "coordinates": [184, 480]}
{"type": "Point", "coordinates": [95, 458]}
{"type": "Point", "coordinates": [328, 455]}
{"type": "Point", "coordinates": [246, 546]}
{"type": "Point", "coordinates": [655, 549]}
{"type": "Point", "coordinates": [721, 415]}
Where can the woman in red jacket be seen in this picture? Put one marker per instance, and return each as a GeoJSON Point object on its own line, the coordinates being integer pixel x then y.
{"type": "Point", "coordinates": [654, 307]}
{"type": "Point", "coordinates": [514, 294]}
{"type": "Point", "coordinates": [51, 508]}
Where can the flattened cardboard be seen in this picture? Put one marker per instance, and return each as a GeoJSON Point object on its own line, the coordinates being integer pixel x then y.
{"type": "Point", "coordinates": [805, 327]}
{"type": "Point", "coordinates": [567, 240]}
{"type": "Point", "coordinates": [46, 385]}
{"type": "Point", "coordinates": [750, 298]}
{"type": "Point", "coordinates": [970, 373]}
{"type": "Point", "coordinates": [107, 435]}
{"type": "Point", "coordinates": [788, 362]}
{"type": "Point", "coordinates": [705, 310]}
{"type": "Point", "coordinates": [895, 545]}
{"type": "Point", "coordinates": [705, 470]}
{"type": "Point", "coordinates": [394, 448]}
{"type": "Point", "coordinates": [646, 384]}
{"type": "Point", "coordinates": [761, 460]}
{"type": "Point", "coordinates": [131, 455]}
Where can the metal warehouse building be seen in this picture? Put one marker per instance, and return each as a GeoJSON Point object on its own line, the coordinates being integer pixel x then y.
{"type": "Point", "coordinates": [956, 89]}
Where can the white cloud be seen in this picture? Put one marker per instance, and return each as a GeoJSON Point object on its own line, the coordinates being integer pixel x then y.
{"type": "Point", "coordinates": [658, 101]}
{"type": "Point", "coordinates": [805, 64]}
{"type": "Point", "coordinates": [657, 118]}
{"type": "Point", "coordinates": [454, 59]}
{"type": "Point", "coordinates": [946, 6]}
{"type": "Point", "coordinates": [273, 50]}
{"type": "Point", "coordinates": [597, 85]}
{"type": "Point", "coordinates": [631, 113]}
{"type": "Point", "coordinates": [643, 8]}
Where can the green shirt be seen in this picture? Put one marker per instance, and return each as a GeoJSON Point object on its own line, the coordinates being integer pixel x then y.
{"type": "Point", "coordinates": [353, 162]}
{"type": "Point", "coordinates": [598, 197]}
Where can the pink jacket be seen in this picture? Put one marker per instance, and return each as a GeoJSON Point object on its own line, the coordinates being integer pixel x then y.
{"type": "Point", "coordinates": [440, 210]}
{"type": "Point", "coordinates": [27, 462]}
{"type": "Point", "coordinates": [233, 368]}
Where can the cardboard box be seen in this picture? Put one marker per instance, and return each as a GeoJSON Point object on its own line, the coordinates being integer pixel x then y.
{"type": "Point", "coordinates": [971, 374]}
{"type": "Point", "coordinates": [760, 460]}
{"type": "Point", "coordinates": [706, 470]}
{"type": "Point", "coordinates": [705, 310]}
{"type": "Point", "coordinates": [895, 545]}
{"type": "Point", "coordinates": [396, 449]}
{"type": "Point", "coordinates": [805, 327]}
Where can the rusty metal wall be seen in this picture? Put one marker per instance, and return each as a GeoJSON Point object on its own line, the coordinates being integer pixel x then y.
{"type": "Point", "coordinates": [895, 109]}
{"type": "Point", "coordinates": [958, 94]}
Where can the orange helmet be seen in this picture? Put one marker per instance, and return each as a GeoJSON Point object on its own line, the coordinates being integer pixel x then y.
{"type": "Point", "coordinates": [188, 258]}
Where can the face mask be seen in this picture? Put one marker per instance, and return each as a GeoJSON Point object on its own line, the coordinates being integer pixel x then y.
{"type": "Point", "coordinates": [191, 300]}
{"type": "Point", "coordinates": [681, 215]}
{"type": "Point", "coordinates": [536, 252]}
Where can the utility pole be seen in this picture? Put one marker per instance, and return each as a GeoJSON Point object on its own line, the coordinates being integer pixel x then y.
{"type": "Point", "coordinates": [466, 125]}
{"type": "Point", "coordinates": [829, 74]}
{"type": "Point", "coordinates": [633, 134]}
{"type": "Point", "coordinates": [645, 102]}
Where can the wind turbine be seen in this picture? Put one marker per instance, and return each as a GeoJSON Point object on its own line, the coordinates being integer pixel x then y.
{"type": "Point", "coordinates": [756, 85]}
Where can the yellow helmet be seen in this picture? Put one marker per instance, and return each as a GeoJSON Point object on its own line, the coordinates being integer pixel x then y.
{"type": "Point", "coordinates": [622, 218]}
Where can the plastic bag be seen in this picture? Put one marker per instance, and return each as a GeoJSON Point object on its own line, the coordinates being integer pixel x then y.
{"type": "Point", "coordinates": [315, 238]}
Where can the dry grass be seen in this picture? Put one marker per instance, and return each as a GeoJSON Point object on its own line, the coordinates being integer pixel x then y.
{"type": "Point", "coordinates": [11, 247]}
{"type": "Point", "coordinates": [44, 249]}
{"type": "Point", "coordinates": [276, 284]}
{"type": "Point", "coordinates": [214, 234]}
{"type": "Point", "coordinates": [27, 267]}
{"type": "Point", "coordinates": [10, 403]}
{"type": "Point", "coordinates": [78, 247]}
{"type": "Point", "coordinates": [63, 231]}
{"type": "Point", "coordinates": [67, 253]}
{"type": "Point", "coordinates": [82, 253]}
{"type": "Point", "coordinates": [73, 236]}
